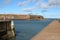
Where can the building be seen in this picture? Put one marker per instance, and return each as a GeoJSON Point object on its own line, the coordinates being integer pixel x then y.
{"type": "Point", "coordinates": [36, 17]}
{"type": "Point", "coordinates": [20, 17]}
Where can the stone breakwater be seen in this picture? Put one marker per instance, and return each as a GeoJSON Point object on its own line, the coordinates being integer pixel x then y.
{"type": "Point", "coordinates": [22, 17]}
{"type": "Point", "coordinates": [51, 32]}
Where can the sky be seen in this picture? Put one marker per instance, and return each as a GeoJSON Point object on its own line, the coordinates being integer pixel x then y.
{"type": "Point", "coordinates": [46, 8]}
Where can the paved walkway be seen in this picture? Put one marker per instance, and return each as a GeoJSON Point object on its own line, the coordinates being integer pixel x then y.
{"type": "Point", "coordinates": [51, 32]}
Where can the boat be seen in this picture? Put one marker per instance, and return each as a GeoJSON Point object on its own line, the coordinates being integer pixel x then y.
{"type": "Point", "coordinates": [7, 30]}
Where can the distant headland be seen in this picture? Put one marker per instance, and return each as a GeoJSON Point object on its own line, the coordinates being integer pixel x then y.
{"type": "Point", "coordinates": [20, 17]}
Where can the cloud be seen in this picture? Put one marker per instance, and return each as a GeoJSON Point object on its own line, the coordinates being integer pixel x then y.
{"type": "Point", "coordinates": [22, 3]}
{"type": "Point", "coordinates": [26, 2]}
{"type": "Point", "coordinates": [54, 3]}
{"type": "Point", "coordinates": [28, 9]}
{"type": "Point", "coordinates": [7, 1]}
{"type": "Point", "coordinates": [32, 0]}
{"type": "Point", "coordinates": [40, 4]}
{"type": "Point", "coordinates": [49, 4]}
{"type": "Point", "coordinates": [44, 6]}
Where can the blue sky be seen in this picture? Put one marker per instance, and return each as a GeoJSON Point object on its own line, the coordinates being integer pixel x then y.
{"type": "Point", "coordinates": [46, 8]}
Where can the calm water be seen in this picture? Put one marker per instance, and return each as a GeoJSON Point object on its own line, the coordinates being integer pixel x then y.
{"type": "Point", "coordinates": [26, 29]}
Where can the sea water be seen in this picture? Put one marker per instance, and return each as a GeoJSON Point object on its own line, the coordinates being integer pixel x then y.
{"type": "Point", "coordinates": [27, 29]}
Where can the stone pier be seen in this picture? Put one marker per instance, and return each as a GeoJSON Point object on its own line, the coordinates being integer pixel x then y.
{"type": "Point", "coordinates": [51, 32]}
